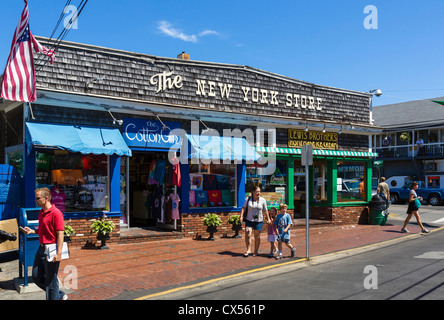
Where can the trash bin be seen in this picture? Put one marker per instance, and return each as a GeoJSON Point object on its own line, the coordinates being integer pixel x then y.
{"type": "Point", "coordinates": [28, 244]}
{"type": "Point", "coordinates": [378, 210]}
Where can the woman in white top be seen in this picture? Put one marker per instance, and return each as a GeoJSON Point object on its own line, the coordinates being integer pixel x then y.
{"type": "Point", "coordinates": [255, 207]}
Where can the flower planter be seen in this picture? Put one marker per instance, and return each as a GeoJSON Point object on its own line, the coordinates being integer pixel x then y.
{"type": "Point", "coordinates": [211, 230]}
{"type": "Point", "coordinates": [236, 228]}
{"type": "Point", "coordinates": [103, 237]}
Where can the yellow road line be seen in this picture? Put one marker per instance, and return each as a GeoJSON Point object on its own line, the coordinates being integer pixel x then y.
{"type": "Point", "coordinates": [274, 266]}
{"type": "Point", "coordinates": [218, 279]}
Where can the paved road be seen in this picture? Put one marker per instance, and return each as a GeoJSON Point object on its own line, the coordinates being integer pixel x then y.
{"type": "Point", "coordinates": [430, 216]}
{"type": "Point", "coordinates": [408, 270]}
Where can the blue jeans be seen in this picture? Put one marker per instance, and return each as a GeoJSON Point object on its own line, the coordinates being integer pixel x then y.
{"type": "Point", "coordinates": [44, 275]}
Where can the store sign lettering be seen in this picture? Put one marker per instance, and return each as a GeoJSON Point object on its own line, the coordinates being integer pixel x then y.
{"type": "Point", "coordinates": [211, 89]}
{"type": "Point", "coordinates": [319, 140]}
{"type": "Point", "coordinates": [149, 133]}
{"type": "Point", "coordinates": [165, 81]}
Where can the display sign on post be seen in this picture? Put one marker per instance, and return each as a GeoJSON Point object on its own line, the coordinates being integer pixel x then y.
{"type": "Point", "coordinates": [307, 160]}
{"type": "Point", "coordinates": [307, 155]}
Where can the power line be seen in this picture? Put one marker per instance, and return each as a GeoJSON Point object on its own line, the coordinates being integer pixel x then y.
{"type": "Point", "coordinates": [68, 2]}
{"type": "Point", "coordinates": [410, 90]}
{"type": "Point", "coordinates": [62, 34]}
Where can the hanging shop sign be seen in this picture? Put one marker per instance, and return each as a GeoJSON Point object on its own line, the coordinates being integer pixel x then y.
{"type": "Point", "coordinates": [319, 140]}
{"type": "Point", "coordinates": [143, 133]}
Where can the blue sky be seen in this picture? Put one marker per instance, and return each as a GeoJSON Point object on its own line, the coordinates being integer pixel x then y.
{"type": "Point", "coordinates": [319, 41]}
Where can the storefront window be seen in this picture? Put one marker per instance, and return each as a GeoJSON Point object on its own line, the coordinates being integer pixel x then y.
{"type": "Point", "coordinates": [350, 181]}
{"type": "Point", "coordinates": [14, 157]}
{"type": "Point", "coordinates": [212, 185]}
{"type": "Point", "coordinates": [273, 187]}
{"type": "Point", "coordinates": [77, 182]}
{"type": "Point", "coordinates": [320, 185]}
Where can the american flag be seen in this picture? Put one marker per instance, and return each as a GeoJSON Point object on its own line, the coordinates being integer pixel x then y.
{"type": "Point", "coordinates": [18, 82]}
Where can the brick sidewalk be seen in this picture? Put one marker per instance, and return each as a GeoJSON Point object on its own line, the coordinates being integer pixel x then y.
{"type": "Point", "coordinates": [158, 265]}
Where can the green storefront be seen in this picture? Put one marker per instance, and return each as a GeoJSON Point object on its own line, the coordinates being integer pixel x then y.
{"type": "Point", "coordinates": [339, 183]}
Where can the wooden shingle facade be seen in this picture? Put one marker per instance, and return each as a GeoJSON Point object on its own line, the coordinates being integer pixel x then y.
{"type": "Point", "coordinates": [95, 86]}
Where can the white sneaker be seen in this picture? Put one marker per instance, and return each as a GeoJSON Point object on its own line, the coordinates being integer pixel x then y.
{"type": "Point", "coordinates": [404, 230]}
{"type": "Point", "coordinates": [425, 230]}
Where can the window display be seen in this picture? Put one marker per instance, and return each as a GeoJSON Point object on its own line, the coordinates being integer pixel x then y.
{"type": "Point", "coordinates": [77, 182]}
{"type": "Point", "coordinates": [320, 183]}
{"type": "Point", "coordinates": [350, 181]}
{"type": "Point", "coordinates": [273, 187]}
{"type": "Point", "coordinates": [212, 185]}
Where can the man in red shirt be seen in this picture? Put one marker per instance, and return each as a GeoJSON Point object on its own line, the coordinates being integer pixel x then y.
{"type": "Point", "coordinates": [50, 231]}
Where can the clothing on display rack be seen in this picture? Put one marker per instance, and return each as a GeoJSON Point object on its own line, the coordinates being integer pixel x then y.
{"type": "Point", "coordinates": [159, 173]}
{"type": "Point", "coordinates": [175, 206]}
{"type": "Point", "coordinates": [177, 179]}
{"type": "Point", "coordinates": [58, 198]}
{"type": "Point", "coordinates": [152, 168]}
{"type": "Point", "coordinates": [157, 199]}
{"type": "Point", "coordinates": [98, 191]}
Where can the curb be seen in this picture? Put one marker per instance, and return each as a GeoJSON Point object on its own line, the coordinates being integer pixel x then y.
{"type": "Point", "coordinates": [312, 261]}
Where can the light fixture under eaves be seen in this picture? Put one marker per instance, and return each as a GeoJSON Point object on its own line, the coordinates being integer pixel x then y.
{"type": "Point", "coordinates": [306, 127]}
{"type": "Point", "coordinates": [204, 131]}
{"type": "Point", "coordinates": [119, 122]}
{"type": "Point", "coordinates": [323, 130]}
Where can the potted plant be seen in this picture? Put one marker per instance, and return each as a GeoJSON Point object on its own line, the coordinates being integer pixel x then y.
{"type": "Point", "coordinates": [212, 221]}
{"type": "Point", "coordinates": [405, 136]}
{"type": "Point", "coordinates": [68, 232]}
{"type": "Point", "coordinates": [102, 227]}
{"type": "Point", "coordinates": [236, 225]}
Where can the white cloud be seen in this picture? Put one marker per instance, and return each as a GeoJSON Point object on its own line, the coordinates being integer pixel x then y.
{"type": "Point", "coordinates": [166, 28]}
{"type": "Point", "coordinates": [208, 32]}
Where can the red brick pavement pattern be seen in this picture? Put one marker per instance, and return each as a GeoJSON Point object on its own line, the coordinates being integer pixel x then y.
{"type": "Point", "coordinates": [104, 274]}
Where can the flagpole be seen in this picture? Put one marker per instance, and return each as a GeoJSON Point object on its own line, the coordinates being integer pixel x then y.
{"type": "Point", "coordinates": [30, 108]}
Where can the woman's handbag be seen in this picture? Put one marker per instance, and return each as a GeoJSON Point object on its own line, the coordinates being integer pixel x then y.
{"type": "Point", "coordinates": [246, 210]}
{"type": "Point", "coordinates": [417, 203]}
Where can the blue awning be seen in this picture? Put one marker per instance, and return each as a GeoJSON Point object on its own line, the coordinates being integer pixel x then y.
{"type": "Point", "coordinates": [75, 138]}
{"type": "Point", "coordinates": [224, 148]}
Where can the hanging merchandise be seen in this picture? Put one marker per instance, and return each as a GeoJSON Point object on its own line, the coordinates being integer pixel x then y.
{"type": "Point", "coordinates": [98, 191]}
{"type": "Point", "coordinates": [168, 210]}
{"type": "Point", "coordinates": [210, 182]}
{"type": "Point", "coordinates": [58, 198]}
{"type": "Point", "coordinates": [215, 198]}
{"type": "Point", "coordinates": [151, 179]}
{"type": "Point", "coordinates": [196, 181]}
{"type": "Point", "coordinates": [222, 182]}
{"type": "Point", "coordinates": [156, 203]}
{"type": "Point", "coordinates": [84, 199]}
{"type": "Point", "coordinates": [159, 173]}
{"type": "Point", "coordinates": [192, 199]}
{"type": "Point", "coordinates": [177, 179]}
{"type": "Point", "coordinates": [169, 174]}
{"type": "Point", "coordinates": [175, 206]}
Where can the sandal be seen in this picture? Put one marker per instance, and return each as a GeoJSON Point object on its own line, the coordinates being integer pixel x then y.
{"type": "Point", "coordinates": [246, 254]}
